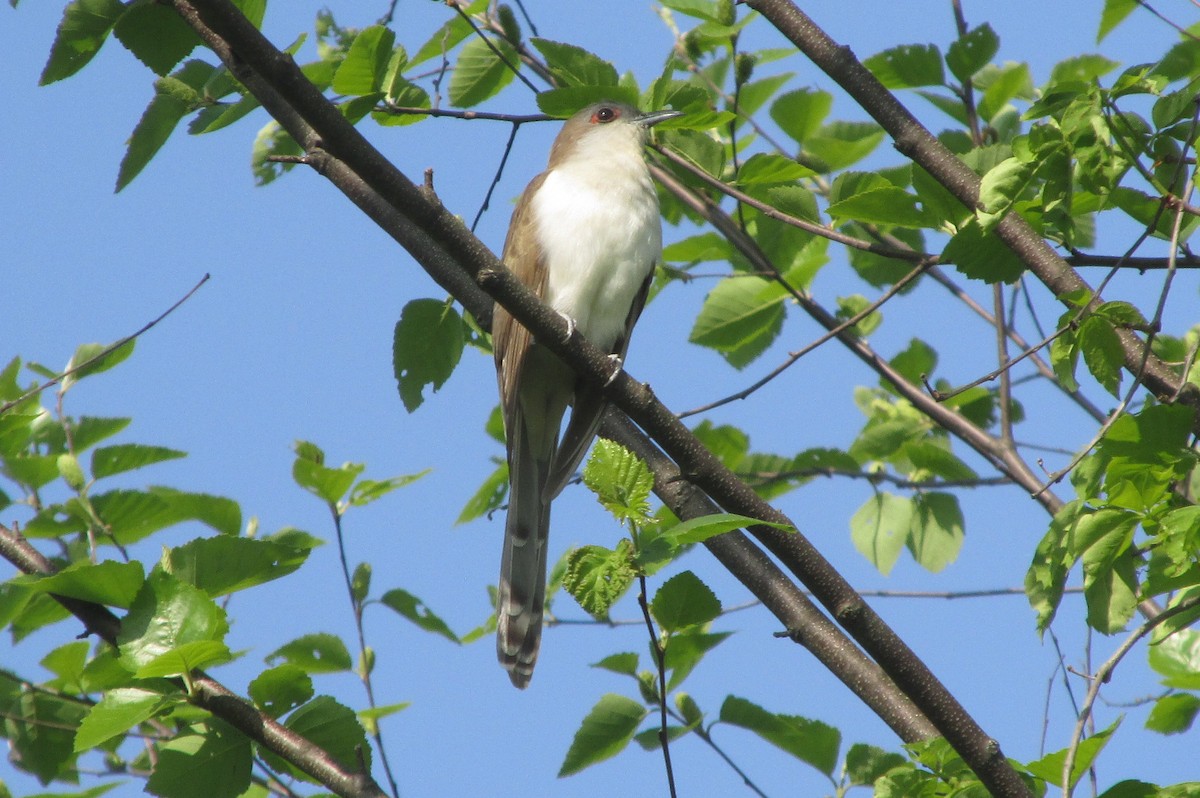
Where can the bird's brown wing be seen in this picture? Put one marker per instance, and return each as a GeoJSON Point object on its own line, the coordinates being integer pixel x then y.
{"type": "Point", "coordinates": [588, 408]}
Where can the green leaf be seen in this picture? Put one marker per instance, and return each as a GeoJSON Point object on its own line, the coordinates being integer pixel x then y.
{"type": "Point", "coordinates": [330, 726]}
{"type": "Point", "coordinates": [564, 102]}
{"type": "Point", "coordinates": [426, 347]}
{"type": "Point", "coordinates": [479, 73]}
{"type": "Point", "coordinates": [866, 763]}
{"type": "Point", "coordinates": [167, 614]}
{"type": "Point", "coordinates": [972, 52]}
{"type": "Point", "coordinates": [314, 653]}
{"type": "Point", "coordinates": [682, 601]}
{"type": "Point", "coordinates": [272, 141]}
{"type": "Point", "coordinates": [415, 610]}
{"type": "Point", "coordinates": [113, 584]}
{"type": "Point", "coordinates": [1001, 186]}
{"type": "Point", "coordinates": [1000, 85]}
{"type": "Point", "coordinates": [604, 733]}
{"type": "Point", "coordinates": [841, 144]}
{"type": "Point", "coordinates": [184, 659]}
{"type": "Point", "coordinates": [1102, 352]}
{"type": "Point", "coordinates": [161, 116]}
{"type": "Point", "coordinates": [1177, 659]}
{"type": "Point", "coordinates": [1050, 767]}
{"type": "Point", "coordinates": [281, 689]}
{"type": "Point", "coordinates": [701, 528]}
{"type": "Point", "coordinates": [224, 564]}
{"type": "Point", "coordinates": [764, 168]}
{"type": "Point", "coordinates": [799, 113]}
{"type": "Point", "coordinates": [596, 577]}
{"type": "Point", "coordinates": [685, 650]}
{"type": "Point", "coordinates": [1111, 595]}
{"type": "Point", "coordinates": [880, 529]}
{"type": "Point", "coordinates": [84, 27]}
{"type": "Point", "coordinates": [908, 66]}
{"type": "Point", "coordinates": [489, 496]}
{"type": "Point", "coordinates": [884, 205]}
{"type": "Point", "coordinates": [448, 36]}
{"type": "Point", "coordinates": [1173, 714]}
{"type": "Point", "coordinates": [740, 318]}
{"type": "Point", "coordinates": [701, 9]}
{"type": "Point", "coordinates": [809, 741]}
{"type": "Point", "coordinates": [937, 530]}
{"type": "Point", "coordinates": [310, 472]}
{"type": "Point", "coordinates": [90, 430]}
{"type": "Point", "coordinates": [362, 70]}
{"type": "Point", "coordinates": [1115, 12]}
{"type": "Point", "coordinates": [982, 256]}
{"type": "Point", "coordinates": [156, 35]}
{"type": "Point", "coordinates": [207, 760]}
{"type": "Point", "coordinates": [117, 712]}
{"type": "Point", "coordinates": [109, 460]}
{"type": "Point", "coordinates": [575, 66]}
{"type": "Point", "coordinates": [97, 360]}
{"type": "Point", "coordinates": [625, 663]}
{"type": "Point", "coordinates": [620, 480]}
{"type": "Point", "coordinates": [368, 490]}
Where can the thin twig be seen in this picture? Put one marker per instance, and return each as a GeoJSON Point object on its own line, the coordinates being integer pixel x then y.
{"type": "Point", "coordinates": [108, 350]}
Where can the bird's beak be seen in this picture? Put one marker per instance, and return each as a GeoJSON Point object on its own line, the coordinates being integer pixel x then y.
{"type": "Point", "coordinates": [652, 118]}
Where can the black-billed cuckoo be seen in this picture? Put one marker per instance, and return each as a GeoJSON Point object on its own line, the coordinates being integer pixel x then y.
{"type": "Point", "coordinates": [584, 237]}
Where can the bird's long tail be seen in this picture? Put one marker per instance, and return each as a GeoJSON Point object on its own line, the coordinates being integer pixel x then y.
{"type": "Point", "coordinates": [522, 589]}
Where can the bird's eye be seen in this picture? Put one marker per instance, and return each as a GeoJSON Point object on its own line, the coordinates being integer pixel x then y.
{"type": "Point", "coordinates": [604, 115]}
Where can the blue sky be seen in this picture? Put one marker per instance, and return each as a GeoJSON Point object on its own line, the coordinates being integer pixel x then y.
{"type": "Point", "coordinates": [291, 339]}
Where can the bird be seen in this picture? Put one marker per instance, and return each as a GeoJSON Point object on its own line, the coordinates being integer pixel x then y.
{"type": "Point", "coordinates": [584, 237]}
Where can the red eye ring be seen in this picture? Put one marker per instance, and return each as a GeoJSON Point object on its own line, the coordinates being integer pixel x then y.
{"type": "Point", "coordinates": [605, 115]}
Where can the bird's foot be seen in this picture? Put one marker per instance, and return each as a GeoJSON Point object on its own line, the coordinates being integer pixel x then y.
{"type": "Point", "coordinates": [618, 364]}
{"type": "Point", "coordinates": [570, 325]}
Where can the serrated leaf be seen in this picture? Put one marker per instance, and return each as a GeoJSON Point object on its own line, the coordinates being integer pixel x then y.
{"type": "Point", "coordinates": [84, 27]}
{"type": "Point", "coordinates": [682, 601]}
{"type": "Point", "coordinates": [575, 66]}
{"type": "Point", "coordinates": [596, 577]}
{"type": "Point", "coordinates": [117, 712]}
{"type": "Point", "coordinates": [426, 347]}
{"type": "Point", "coordinates": [159, 119]}
{"type": "Point", "coordinates": [908, 66]}
{"type": "Point", "coordinates": [280, 689]}
{"type": "Point", "coordinates": [866, 763]}
{"type": "Point", "coordinates": [809, 741]}
{"type": "Point", "coordinates": [314, 653]}
{"type": "Point", "coordinates": [701, 528]}
{"type": "Point", "coordinates": [113, 584]}
{"type": "Point", "coordinates": [207, 760]}
{"type": "Point", "coordinates": [109, 460]}
{"type": "Point", "coordinates": [225, 564]}
{"type": "Point", "coordinates": [982, 256]}
{"type": "Point", "coordinates": [685, 650]}
{"type": "Point", "coordinates": [90, 359]}
{"type": "Point", "coordinates": [328, 484]}
{"type": "Point", "coordinates": [564, 102]}
{"type": "Point", "coordinates": [740, 318]}
{"type": "Point", "coordinates": [1115, 12]}
{"type": "Point", "coordinates": [842, 144]}
{"type": "Point", "coordinates": [1050, 767]}
{"type": "Point", "coordinates": [366, 491]}
{"type": "Point", "coordinates": [880, 529]}
{"type": "Point", "coordinates": [1102, 352]}
{"type": "Point", "coordinates": [415, 610]}
{"type": "Point", "coordinates": [167, 614]}
{"type": "Point", "coordinates": [937, 530]}
{"type": "Point", "coordinates": [448, 36]}
{"type": "Point", "coordinates": [624, 663]}
{"type": "Point", "coordinates": [604, 733]}
{"type": "Point", "coordinates": [620, 480]}
{"type": "Point", "coordinates": [184, 659]}
{"type": "Point", "coordinates": [156, 35]}
{"type": "Point", "coordinates": [972, 51]}
{"type": "Point", "coordinates": [765, 168]}
{"type": "Point", "coordinates": [1173, 714]}
{"type": "Point", "coordinates": [479, 73]}
{"type": "Point", "coordinates": [799, 113]}
{"type": "Point", "coordinates": [889, 205]}
{"type": "Point", "coordinates": [330, 726]}
{"type": "Point", "coordinates": [362, 70]}
{"type": "Point", "coordinates": [489, 496]}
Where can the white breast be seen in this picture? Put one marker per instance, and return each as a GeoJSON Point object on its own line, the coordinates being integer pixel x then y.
{"type": "Point", "coordinates": [598, 227]}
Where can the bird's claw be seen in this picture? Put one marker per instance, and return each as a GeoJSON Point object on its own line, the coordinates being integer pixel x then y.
{"type": "Point", "coordinates": [618, 363]}
{"type": "Point", "coordinates": [570, 326]}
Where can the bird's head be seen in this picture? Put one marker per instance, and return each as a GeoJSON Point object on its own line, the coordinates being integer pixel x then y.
{"type": "Point", "coordinates": [606, 127]}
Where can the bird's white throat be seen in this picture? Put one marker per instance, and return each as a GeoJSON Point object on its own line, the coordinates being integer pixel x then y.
{"type": "Point", "coordinates": [597, 225]}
